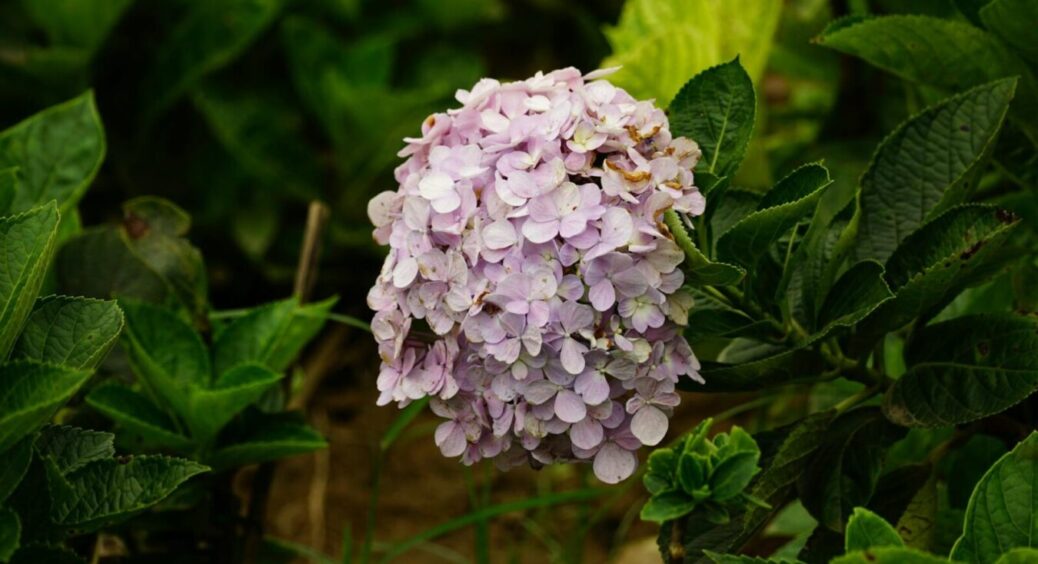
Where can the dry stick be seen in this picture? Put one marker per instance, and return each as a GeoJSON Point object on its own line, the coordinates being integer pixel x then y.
{"type": "Point", "coordinates": [319, 485]}
{"type": "Point", "coordinates": [306, 274]}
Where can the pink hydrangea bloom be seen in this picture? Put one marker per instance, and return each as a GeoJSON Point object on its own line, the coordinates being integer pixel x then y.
{"type": "Point", "coordinates": [530, 288]}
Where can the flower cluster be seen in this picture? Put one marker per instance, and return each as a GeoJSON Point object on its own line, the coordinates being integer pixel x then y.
{"type": "Point", "coordinates": [531, 288]}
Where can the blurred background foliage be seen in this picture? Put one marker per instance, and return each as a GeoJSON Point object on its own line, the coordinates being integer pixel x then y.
{"type": "Point", "coordinates": [243, 111]}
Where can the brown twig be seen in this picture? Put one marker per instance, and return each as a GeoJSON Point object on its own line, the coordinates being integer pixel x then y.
{"type": "Point", "coordinates": [306, 274]}
{"type": "Point", "coordinates": [676, 550]}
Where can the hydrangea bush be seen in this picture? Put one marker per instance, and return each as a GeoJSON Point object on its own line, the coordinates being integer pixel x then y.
{"type": "Point", "coordinates": [532, 288]}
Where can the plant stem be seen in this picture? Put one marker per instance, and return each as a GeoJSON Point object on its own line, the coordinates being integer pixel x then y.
{"type": "Point", "coordinates": [856, 399]}
{"type": "Point", "coordinates": [676, 550]}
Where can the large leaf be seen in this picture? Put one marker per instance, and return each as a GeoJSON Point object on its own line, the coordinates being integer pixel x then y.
{"type": "Point", "coordinates": [99, 263]}
{"type": "Point", "coordinates": [965, 369]}
{"type": "Point", "coordinates": [71, 448]}
{"type": "Point", "coordinates": [959, 248]}
{"type": "Point", "coordinates": [166, 354]}
{"type": "Point", "coordinates": [110, 490]}
{"type": "Point", "coordinates": [26, 244]}
{"type": "Point", "coordinates": [30, 393]}
{"type": "Point", "coordinates": [272, 335]}
{"type": "Point", "coordinates": [844, 472]}
{"type": "Point", "coordinates": [948, 54]}
{"type": "Point", "coordinates": [57, 151]}
{"type": "Point", "coordinates": [1001, 512]}
{"type": "Point", "coordinates": [211, 409]}
{"type": "Point", "coordinates": [211, 35]}
{"type": "Point", "coordinates": [10, 531]}
{"type": "Point", "coordinates": [268, 439]}
{"type": "Point", "coordinates": [137, 414]}
{"type": "Point", "coordinates": [867, 530]}
{"type": "Point", "coordinates": [75, 332]}
{"type": "Point", "coordinates": [779, 211]}
{"type": "Point", "coordinates": [927, 164]}
{"type": "Point", "coordinates": [1013, 21]}
{"type": "Point", "coordinates": [660, 43]}
{"type": "Point", "coordinates": [856, 293]}
{"type": "Point", "coordinates": [716, 108]}
{"type": "Point", "coordinates": [787, 367]}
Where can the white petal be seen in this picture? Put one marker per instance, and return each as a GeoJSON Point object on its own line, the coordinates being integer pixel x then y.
{"type": "Point", "coordinates": [613, 464]}
{"type": "Point", "coordinates": [405, 272]}
{"type": "Point", "coordinates": [494, 121]}
{"type": "Point", "coordinates": [435, 185]}
{"type": "Point", "coordinates": [649, 425]}
{"type": "Point", "coordinates": [499, 235]}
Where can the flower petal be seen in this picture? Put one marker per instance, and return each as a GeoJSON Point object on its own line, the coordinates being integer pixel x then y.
{"type": "Point", "coordinates": [649, 425]}
{"type": "Point", "coordinates": [613, 464]}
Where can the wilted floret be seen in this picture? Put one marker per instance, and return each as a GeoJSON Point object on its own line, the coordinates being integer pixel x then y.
{"type": "Point", "coordinates": [531, 288]}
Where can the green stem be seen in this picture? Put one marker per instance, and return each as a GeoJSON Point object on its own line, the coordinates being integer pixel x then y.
{"type": "Point", "coordinates": [856, 399]}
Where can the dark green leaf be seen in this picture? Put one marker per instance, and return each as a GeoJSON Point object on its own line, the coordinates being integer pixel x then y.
{"type": "Point", "coordinates": [965, 369]}
{"type": "Point", "coordinates": [57, 151]}
{"type": "Point", "coordinates": [210, 36]}
{"type": "Point", "coordinates": [9, 183]}
{"type": "Point", "coordinates": [917, 525]}
{"type": "Point", "coordinates": [743, 559]}
{"type": "Point", "coordinates": [272, 335]}
{"type": "Point", "coordinates": [70, 448]}
{"type": "Point", "coordinates": [38, 554]}
{"type": "Point", "coordinates": [30, 393]}
{"type": "Point", "coordinates": [700, 270]}
{"type": "Point", "coordinates": [110, 490]}
{"type": "Point", "coordinates": [962, 247]}
{"type": "Point", "coordinates": [99, 263]}
{"type": "Point", "coordinates": [779, 211]}
{"type": "Point", "coordinates": [1001, 512]}
{"type": "Point", "coordinates": [967, 464]}
{"type": "Point", "coordinates": [716, 108]}
{"type": "Point", "coordinates": [844, 472]}
{"type": "Point", "coordinates": [138, 414]}
{"type": "Point", "coordinates": [947, 54]}
{"type": "Point", "coordinates": [268, 440]}
{"type": "Point", "coordinates": [80, 24]}
{"type": "Point", "coordinates": [16, 463]}
{"type": "Point", "coordinates": [867, 530]}
{"type": "Point", "coordinates": [1019, 556]}
{"type": "Point", "coordinates": [929, 163]}
{"type": "Point", "coordinates": [75, 332]}
{"type": "Point", "coordinates": [210, 409]}
{"type": "Point", "coordinates": [10, 532]}
{"type": "Point", "coordinates": [26, 243]}
{"type": "Point", "coordinates": [1013, 21]}
{"type": "Point", "coordinates": [787, 367]}
{"type": "Point", "coordinates": [167, 355]}
{"type": "Point", "coordinates": [855, 294]}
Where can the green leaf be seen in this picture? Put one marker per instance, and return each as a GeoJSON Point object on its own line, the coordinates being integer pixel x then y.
{"type": "Point", "coordinates": [700, 270]}
{"type": "Point", "coordinates": [210, 409]}
{"type": "Point", "coordinates": [962, 247]}
{"type": "Point", "coordinates": [26, 243]}
{"type": "Point", "coordinates": [269, 439]}
{"type": "Point", "coordinates": [138, 414]}
{"type": "Point", "coordinates": [967, 464]}
{"type": "Point", "coordinates": [659, 43]}
{"type": "Point", "coordinates": [210, 35]}
{"type": "Point", "coordinates": [70, 448]}
{"type": "Point", "coordinates": [667, 506]}
{"type": "Point", "coordinates": [1001, 513]}
{"type": "Point", "coordinates": [867, 530]}
{"type": "Point", "coordinates": [57, 151]}
{"type": "Point", "coordinates": [107, 491]}
{"type": "Point", "coordinates": [785, 453]}
{"type": "Point", "coordinates": [9, 183]}
{"type": "Point", "coordinates": [10, 531]}
{"type": "Point", "coordinates": [74, 332]}
{"type": "Point", "coordinates": [947, 54]}
{"type": "Point", "coordinates": [16, 464]}
{"type": "Point", "coordinates": [99, 263]}
{"type": "Point", "coordinates": [889, 555]}
{"type": "Point", "coordinates": [30, 393]}
{"type": "Point", "coordinates": [854, 295]}
{"type": "Point", "coordinates": [156, 230]}
{"type": "Point", "coordinates": [738, 465]}
{"type": "Point", "coordinates": [928, 164]}
{"type": "Point", "coordinates": [844, 472]}
{"type": "Point", "coordinates": [743, 559]}
{"type": "Point", "coordinates": [272, 335]}
{"type": "Point", "coordinates": [1019, 556]}
{"type": "Point", "coordinates": [716, 108]}
{"type": "Point", "coordinates": [917, 525]}
{"type": "Point", "coordinates": [1013, 21]}
{"type": "Point", "coordinates": [166, 354]}
{"type": "Point", "coordinates": [80, 24]}
{"type": "Point", "coordinates": [965, 369]}
{"type": "Point", "coordinates": [779, 211]}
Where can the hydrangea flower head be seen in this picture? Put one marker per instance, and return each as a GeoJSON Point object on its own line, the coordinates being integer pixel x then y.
{"type": "Point", "coordinates": [531, 289]}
